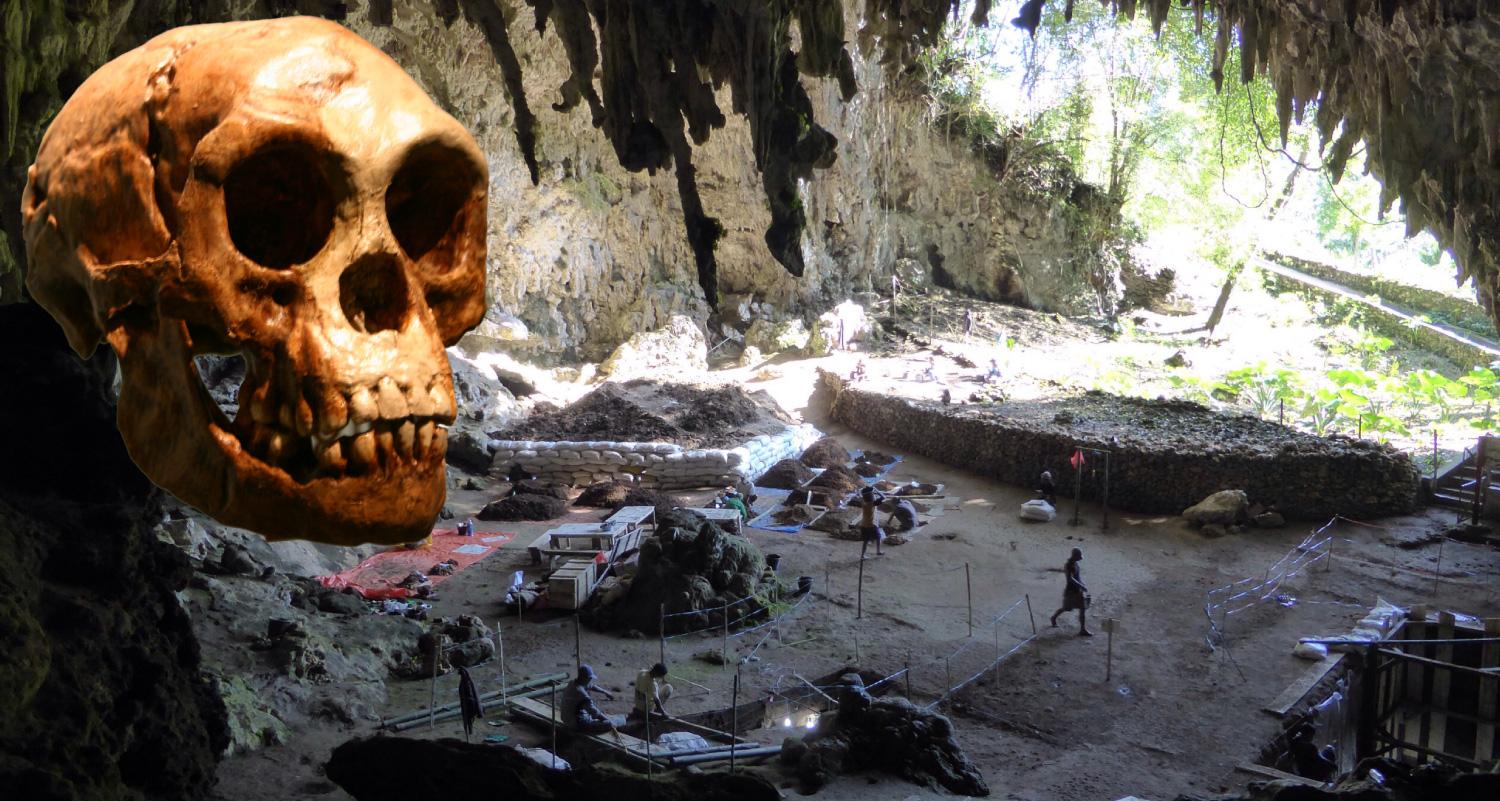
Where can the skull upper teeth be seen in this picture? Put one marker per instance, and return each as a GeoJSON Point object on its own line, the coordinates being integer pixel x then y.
{"type": "Point", "coordinates": [329, 432]}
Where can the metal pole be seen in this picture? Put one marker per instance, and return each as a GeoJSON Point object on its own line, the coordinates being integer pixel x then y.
{"type": "Point", "coordinates": [947, 678]}
{"type": "Point", "coordinates": [724, 653]}
{"type": "Point", "coordinates": [969, 591]}
{"type": "Point", "coordinates": [1437, 575]}
{"type": "Point", "coordinates": [1077, 487]}
{"type": "Point", "coordinates": [1434, 455]}
{"type": "Point", "coordinates": [827, 586]}
{"type": "Point", "coordinates": [734, 725]}
{"type": "Point", "coordinates": [997, 646]}
{"type": "Point", "coordinates": [907, 668]}
{"type": "Point", "coordinates": [577, 646]}
{"type": "Point", "coordinates": [1030, 615]}
{"type": "Point", "coordinates": [1104, 502]}
{"type": "Point", "coordinates": [650, 766]}
{"type": "Point", "coordinates": [1281, 415]}
{"type": "Point", "coordinates": [661, 630]}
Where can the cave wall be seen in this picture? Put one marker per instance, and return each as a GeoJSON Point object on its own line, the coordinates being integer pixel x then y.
{"type": "Point", "coordinates": [594, 253]}
{"type": "Point", "coordinates": [102, 696]}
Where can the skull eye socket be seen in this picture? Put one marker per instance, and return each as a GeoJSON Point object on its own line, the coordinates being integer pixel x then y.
{"type": "Point", "coordinates": [428, 201]}
{"type": "Point", "coordinates": [279, 206]}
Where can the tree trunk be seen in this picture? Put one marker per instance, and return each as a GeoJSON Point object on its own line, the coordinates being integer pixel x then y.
{"type": "Point", "coordinates": [1291, 183]}
{"type": "Point", "coordinates": [1217, 315]}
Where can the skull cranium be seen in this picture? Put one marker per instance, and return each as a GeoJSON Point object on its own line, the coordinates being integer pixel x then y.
{"type": "Point", "coordinates": [282, 190]}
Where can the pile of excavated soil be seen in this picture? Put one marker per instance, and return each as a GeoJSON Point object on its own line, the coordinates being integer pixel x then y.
{"type": "Point", "coordinates": [792, 515]}
{"type": "Point", "coordinates": [649, 411]}
{"type": "Point", "coordinates": [826, 452]}
{"type": "Point", "coordinates": [786, 474]}
{"type": "Point", "coordinates": [640, 496]}
{"type": "Point", "coordinates": [525, 507]}
{"type": "Point", "coordinates": [867, 469]}
{"type": "Point", "coordinates": [837, 480]}
{"type": "Point", "coordinates": [604, 494]}
{"type": "Point", "coordinates": [876, 457]}
{"type": "Point", "coordinates": [541, 486]}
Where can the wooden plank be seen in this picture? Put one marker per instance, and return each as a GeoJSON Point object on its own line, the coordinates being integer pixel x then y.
{"type": "Point", "coordinates": [1274, 774]}
{"type": "Point", "coordinates": [544, 714]}
{"type": "Point", "coordinates": [1489, 689]}
{"type": "Point", "coordinates": [1293, 695]}
{"type": "Point", "coordinates": [1442, 680]}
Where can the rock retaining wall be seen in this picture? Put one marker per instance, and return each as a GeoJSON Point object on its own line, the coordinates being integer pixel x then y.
{"type": "Point", "coordinates": [1303, 475]}
{"type": "Point", "coordinates": [659, 464]}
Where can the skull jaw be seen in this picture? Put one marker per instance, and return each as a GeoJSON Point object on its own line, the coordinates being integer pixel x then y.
{"type": "Point", "coordinates": [183, 443]}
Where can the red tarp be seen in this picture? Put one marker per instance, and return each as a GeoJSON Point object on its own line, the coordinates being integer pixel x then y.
{"type": "Point", "coordinates": [378, 576]}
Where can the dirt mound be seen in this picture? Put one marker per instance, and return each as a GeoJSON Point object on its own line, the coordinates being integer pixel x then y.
{"type": "Point", "coordinates": [867, 469]}
{"type": "Point", "coordinates": [538, 486]}
{"type": "Point", "coordinates": [793, 515]}
{"type": "Point", "coordinates": [826, 452]}
{"type": "Point", "coordinates": [604, 495]}
{"type": "Point", "coordinates": [525, 507]}
{"type": "Point", "coordinates": [649, 411]}
{"type": "Point", "coordinates": [837, 480]}
{"type": "Point", "coordinates": [786, 474]}
{"type": "Point", "coordinates": [876, 457]}
{"type": "Point", "coordinates": [640, 496]}
{"type": "Point", "coordinates": [692, 566]}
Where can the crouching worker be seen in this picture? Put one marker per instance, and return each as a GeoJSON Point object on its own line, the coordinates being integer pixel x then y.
{"type": "Point", "coordinates": [903, 515]}
{"type": "Point", "coordinates": [651, 689]}
{"type": "Point", "coordinates": [579, 712]}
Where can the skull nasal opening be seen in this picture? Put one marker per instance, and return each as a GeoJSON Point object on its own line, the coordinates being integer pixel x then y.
{"type": "Point", "coordinates": [374, 295]}
{"type": "Point", "coordinates": [279, 206]}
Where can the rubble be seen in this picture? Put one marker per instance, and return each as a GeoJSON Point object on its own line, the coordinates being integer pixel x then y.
{"type": "Point", "coordinates": [691, 565]}
{"type": "Point", "coordinates": [890, 735]}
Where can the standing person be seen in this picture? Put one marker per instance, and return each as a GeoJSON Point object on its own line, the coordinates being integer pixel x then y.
{"type": "Point", "coordinates": [650, 690]}
{"type": "Point", "coordinates": [579, 712]}
{"type": "Point", "coordinates": [968, 323]}
{"type": "Point", "coordinates": [1047, 487]}
{"type": "Point", "coordinates": [1075, 594]}
{"type": "Point", "coordinates": [946, 397]}
{"type": "Point", "coordinates": [869, 501]}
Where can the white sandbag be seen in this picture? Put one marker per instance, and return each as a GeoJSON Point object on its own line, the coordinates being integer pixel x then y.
{"type": "Point", "coordinates": [681, 741]}
{"type": "Point", "coordinates": [1038, 510]}
{"type": "Point", "coordinates": [1312, 651]}
{"type": "Point", "coordinates": [545, 758]}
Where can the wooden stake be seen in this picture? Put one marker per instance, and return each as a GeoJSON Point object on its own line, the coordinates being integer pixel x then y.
{"type": "Point", "coordinates": [1030, 615]}
{"type": "Point", "coordinates": [1104, 498]}
{"type": "Point", "coordinates": [661, 630]}
{"type": "Point", "coordinates": [1437, 574]}
{"type": "Point", "coordinates": [1109, 648]}
{"type": "Point", "coordinates": [724, 653]}
{"type": "Point", "coordinates": [969, 591]}
{"type": "Point", "coordinates": [907, 668]}
{"type": "Point", "coordinates": [437, 653]}
{"type": "Point", "coordinates": [554, 725]}
{"type": "Point", "coordinates": [577, 646]}
{"type": "Point", "coordinates": [500, 637]}
{"type": "Point", "coordinates": [734, 725]}
{"type": "Point", "coordinates": [859, 602]}
{"type": "Point", "coordinates": [1077, 488]}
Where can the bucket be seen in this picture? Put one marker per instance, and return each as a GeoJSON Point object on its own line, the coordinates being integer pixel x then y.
{"type": "Point", "coordinates": [773, 561]}
{"type": "Point", "coordinates": [804, 585]}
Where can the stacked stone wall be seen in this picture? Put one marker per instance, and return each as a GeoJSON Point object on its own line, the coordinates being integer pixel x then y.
{"type": "Point", "coordinates": [1304, 476]}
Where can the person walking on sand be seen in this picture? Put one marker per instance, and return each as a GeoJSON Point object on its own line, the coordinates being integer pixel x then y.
{"type": "Point", "coordinates": [1075, 594]}
{"type": "Point", "coordinates": [869, 531]}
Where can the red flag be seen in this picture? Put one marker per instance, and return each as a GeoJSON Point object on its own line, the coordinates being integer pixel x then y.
{"type": "Point", "coordinates": [1077, 459]}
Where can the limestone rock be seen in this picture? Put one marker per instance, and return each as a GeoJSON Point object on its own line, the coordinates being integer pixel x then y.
{"type": "Point", "coordinates": [1269, 520]}
{"type": "Point", "coordinates": [1223, 508]}
{"type": "Point", "coordinates": [786, 336]}
{"type": "Point", "coordinates": [677, 348]}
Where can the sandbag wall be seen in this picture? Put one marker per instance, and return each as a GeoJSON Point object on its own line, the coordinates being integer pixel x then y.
{"type": "Point", "coordinates": [660, 465]}
{"type": "Point", "coordinates": [1304, 476]}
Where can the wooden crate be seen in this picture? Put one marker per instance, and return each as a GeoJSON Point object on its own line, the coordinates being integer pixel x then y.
{"type": "Point", "coordinates": [569, 586]}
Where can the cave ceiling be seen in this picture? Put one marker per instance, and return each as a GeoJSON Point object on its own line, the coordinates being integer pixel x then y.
{"type": "Point", "coordinates": [1416, 82]}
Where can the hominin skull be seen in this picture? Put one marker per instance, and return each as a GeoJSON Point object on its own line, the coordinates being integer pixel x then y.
{"type": "Point", "coordinates": [281, 190]}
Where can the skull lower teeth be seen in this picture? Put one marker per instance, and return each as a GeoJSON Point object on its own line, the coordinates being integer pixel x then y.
{"type": "Point", "coordinates": [364, 430]}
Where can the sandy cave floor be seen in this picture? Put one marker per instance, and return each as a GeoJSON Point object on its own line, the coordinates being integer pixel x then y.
{"type": "Point", "coordinates": [1174, 718]}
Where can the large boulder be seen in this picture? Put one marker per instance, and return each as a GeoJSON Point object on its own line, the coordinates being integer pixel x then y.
{"type": "Point", "coordinates": [677, 347]}
{"type": "Point", "coordinates": [484, 404]}
{"type": "Point", "coordinates": [1222, 508]}
{"type": "Point", "coordinates": [786, 336]}
{"type": "Point", "coordinates": [825, 333]}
